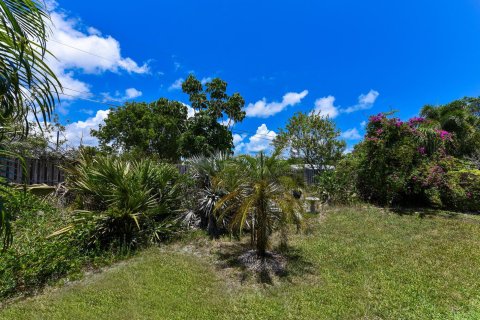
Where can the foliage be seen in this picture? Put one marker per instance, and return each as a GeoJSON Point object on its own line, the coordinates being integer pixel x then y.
{"type": "Point", "coordinates": [207, 172]}
{"type": "Point", "coordinates": [447, 183]}
{"type": "Point", "coordinates": [28, 84]}
{"type": "Point", "coordinates": [35, 260]}
{"type": "Point", "coordinates": [205, 135]}
{"type": "Point", "coordinates": [152, 129]}
{"type": "Point", "coordinates": [338, 186]}
{"type": "Point", "coordinates": [123, 201]}
{"type": "Point", "coordinates": [411, 163]}
{"type": "Point", "coordinates": [461, 118]}
{"type": "Point", "coordinates": [41, 140]}
{"type": "Point", "coordinates": [312, 139]}
{"type": "Point", "coordinates": [261, 198]}
{"type": "Point", "coordinates": [360, 262]}
{"type": "Point", "coordinates": [163, 129]}
{"type": "Point", "coordinates": [391, 150]}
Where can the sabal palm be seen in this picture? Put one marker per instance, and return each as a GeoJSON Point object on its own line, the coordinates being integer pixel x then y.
{"type": "Point", "coordinates": [206, 172]}
{"type": "Point", "coordinates": [262, 197]}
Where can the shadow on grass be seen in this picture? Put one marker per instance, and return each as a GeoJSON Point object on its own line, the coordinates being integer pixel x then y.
{"type": "Point", "coordinates": [280, 264]}
{"type": "Point", "coordinates": [424, 212]}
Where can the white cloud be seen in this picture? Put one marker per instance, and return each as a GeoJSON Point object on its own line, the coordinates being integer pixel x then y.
{"type": "Point", "coordinates": [262, 109]}
{"type": "Point", "coordinates": [177, 84]}
{"type": "Point", "coordinates": [227, 122]}
{"type": "Point", "coordinates": [93, 31]}
{"type": "Point", "coordinates": [351, 134]}
{"type": "Point", "coordinates": [130, 93]}
{"type": "Point", "coordinates": [260, 141]}
{"type": "Point", "coordinates": [190, 111]}
{"type": "Point", "coordinates": [205, 80]}
{"type": "Point", "coordinates": [365, 101]}
{"type": "Point", "coordinates": [69, 46]}
{"type": "Point", "coordinates": [363, 123]}
{"type": "Point", "coordinates": [325, 107]}
{"type": "Point", "coordinates": [78, 132]}
{"type": "Point", "coordinates": [238, 142]}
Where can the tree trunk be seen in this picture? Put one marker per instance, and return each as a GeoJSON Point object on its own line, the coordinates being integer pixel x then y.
{"type": "Point", "coordinates": [262, 225]}
{"type": "Point", "coordinates": [212, 228]}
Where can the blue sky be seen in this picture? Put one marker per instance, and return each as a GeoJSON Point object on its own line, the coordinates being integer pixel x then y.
{"type": "Point", "coordinates": [348, 59]}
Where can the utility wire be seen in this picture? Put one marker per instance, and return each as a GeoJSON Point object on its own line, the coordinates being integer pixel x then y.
{"type": "Point", "coordinates": [84, 51]}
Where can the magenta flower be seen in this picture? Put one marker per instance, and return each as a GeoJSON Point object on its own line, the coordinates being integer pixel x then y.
{"type": "Point", "coordinates": [379, 117]}
{"type": "Point", "coordinates": [444, 135]}
{"type": "Point", "coordinates": [415, 121]}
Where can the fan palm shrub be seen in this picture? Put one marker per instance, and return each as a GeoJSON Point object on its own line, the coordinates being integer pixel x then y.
{"type": "Point", "coordinates": [206, 172]}
{"type": "Point", "coordinates": [123, 200]}
{"type": "Point", "coordinates": [262, 198]}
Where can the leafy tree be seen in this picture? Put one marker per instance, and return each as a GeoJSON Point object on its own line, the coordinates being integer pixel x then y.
{"type": "Point", "coordinates": [204, 134]}
{"type": "Point", "coordinates": [41, 141]}
{"type": "Point", "coordinates": [312, 139]}
{"type": "Point", "coordinates": [262, 198]}
{"type": "Point", "coordinates": [145, 129]}
{"type": "Point", "coordinates": [462, 119]}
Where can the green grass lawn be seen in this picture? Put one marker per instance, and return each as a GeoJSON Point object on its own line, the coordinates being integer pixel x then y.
{"type": "Point", "coordinates": [351, 264]}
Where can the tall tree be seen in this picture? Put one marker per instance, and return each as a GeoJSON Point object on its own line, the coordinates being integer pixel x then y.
{"type": "Point", "coordinates": [152, 129]}
{"type": "Point", "coordinates": [205, 134]}
{"type": "Point", "coordinates": [311, 139]}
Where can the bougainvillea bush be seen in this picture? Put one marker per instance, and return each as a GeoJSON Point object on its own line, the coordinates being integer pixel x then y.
{"type": "Point", "coordinates": [410, 163]}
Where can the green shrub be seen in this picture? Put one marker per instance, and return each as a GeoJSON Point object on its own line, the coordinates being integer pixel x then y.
{"type": "Point", "coordinates": [339, 186]}
{"type": "Point", "coordinates": [34, 259]}
{"type": "Point", "coordinates": [462, 190]}
{"type": "Point", "coordinates": [122, 201]}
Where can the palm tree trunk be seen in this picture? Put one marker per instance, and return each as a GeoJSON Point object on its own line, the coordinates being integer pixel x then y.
{"type": "Point", "coordinates": [262, 225]}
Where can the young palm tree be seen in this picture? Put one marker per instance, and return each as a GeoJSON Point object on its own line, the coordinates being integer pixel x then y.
{"type": "Point", "coordinates": [262, 198]}
{"type": "Point", "coordinates": [206, 172]}
{"type": "Point", "coordinates": [27, 83]}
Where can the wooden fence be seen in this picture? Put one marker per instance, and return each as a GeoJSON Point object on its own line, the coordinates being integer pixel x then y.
{"type": "Point", "coordinates": [48, 171]}
{"type": "Point", "coordinates": [39, 171]}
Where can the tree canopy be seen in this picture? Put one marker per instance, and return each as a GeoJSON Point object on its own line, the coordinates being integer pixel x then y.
{"type": "Point", "coordinates": [311, 139]}
{"type": "Point", "coordinates": [205, 134]}
{"type": "Point", "coordinates": [163, 128]}
{"type": "Point", "coordinates": [145, 129]}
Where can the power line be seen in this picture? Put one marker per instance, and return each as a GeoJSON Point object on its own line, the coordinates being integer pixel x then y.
{"type": "Point", "coordinates": [84, 51]}
{"type": "Point", "coordinates": [90, 93]}
{"type": "Point", "coordinates": [91, 100]}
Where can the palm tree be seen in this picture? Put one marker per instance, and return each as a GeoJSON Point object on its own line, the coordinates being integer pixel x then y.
{"type": "Point", "coordinates": [27, 84]}
{"type": "Point", "coordinates": [262, 198]}
{"type": "Point", "coordinates": [460, 117]}
{"type": "Point", "coordinates": [206, 171]}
